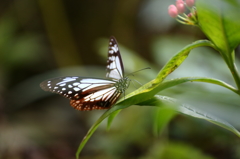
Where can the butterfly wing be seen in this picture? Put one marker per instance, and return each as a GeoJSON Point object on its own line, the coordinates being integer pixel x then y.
{"type": "Point", "coordinates": [92, 93]}
{"type": "Point", "coordinates": [115, 67]}
{"type": "Point", "coordinates": [84, 93]}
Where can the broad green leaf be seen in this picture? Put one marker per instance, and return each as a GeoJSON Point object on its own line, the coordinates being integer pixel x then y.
{"type": "Point", "coordinates": [219, 20]}
{"type": "Point", "coordinates": [111, 117]}
{"type": "Point", "coordinates": [94, 127]}
{"type": "Point", "coordinates": [158, 100]}
{"type": "Point", "coordinates": [178, 59]}
{"type": "Point", "coordinates": [163, 117]}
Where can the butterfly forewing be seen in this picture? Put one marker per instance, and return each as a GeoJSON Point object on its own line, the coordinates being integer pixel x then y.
{"type": "Point", "coordinates": [115, 68]}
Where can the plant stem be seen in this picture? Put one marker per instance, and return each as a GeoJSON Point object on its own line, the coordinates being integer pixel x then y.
{"type": "Point", "coordinates": [235, 74]}
{"type": "Point", "coordinates": [230, 61]}
{"type": "Point", "coordinates": [229, 58]}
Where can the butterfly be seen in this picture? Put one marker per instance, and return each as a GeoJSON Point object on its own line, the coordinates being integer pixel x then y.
{"type": "Point", "coordinates": [93, 93]}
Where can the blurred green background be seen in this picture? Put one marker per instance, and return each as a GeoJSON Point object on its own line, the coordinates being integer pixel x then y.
{"type": "Point", "coordinates": [41, 39]}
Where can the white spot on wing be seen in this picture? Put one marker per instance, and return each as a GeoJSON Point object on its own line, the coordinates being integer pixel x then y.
{"type": "Point", "coordinates": [62, 84]}
{"type": "Point", "coordinates": [76, 89]}
{"type": "Point", "coordinates": [76, 84]}
{"type": "Point", "coordinates": [67, 79]}
{"type": "Point", "coordinates": [112, 58]}
{"type": "Point", "coordinates": [115, 48]}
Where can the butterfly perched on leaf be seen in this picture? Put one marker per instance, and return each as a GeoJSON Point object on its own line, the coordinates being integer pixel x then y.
{"type": "Point", "coordinates": [93, 93]}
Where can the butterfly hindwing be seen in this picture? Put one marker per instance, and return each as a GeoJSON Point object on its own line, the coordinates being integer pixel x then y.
{"type": "Point", "coordinates": [85, 93]}
{"type": "Point", "coordinates": [102, 99]}
{"type": "Point", "coordinates": [115, 67]}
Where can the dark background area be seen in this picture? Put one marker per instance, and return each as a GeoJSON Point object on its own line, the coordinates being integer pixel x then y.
{"type": "Point", "coordinates": [41, 39]}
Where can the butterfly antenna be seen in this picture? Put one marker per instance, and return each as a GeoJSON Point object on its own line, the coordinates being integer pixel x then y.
{"type": "Point", "coordinates": [138, 82]}
{"type": "Point", "coordinates": [133, 82]}
{"type": "Point", "coordinates": [137, 71]}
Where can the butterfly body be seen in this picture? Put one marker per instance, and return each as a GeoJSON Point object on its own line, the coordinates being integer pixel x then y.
{"type": "Point", "coordinates": [93, 93]}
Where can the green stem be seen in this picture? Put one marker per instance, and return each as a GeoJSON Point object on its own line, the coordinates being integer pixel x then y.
{"type": "Point", "coordinates": [235, 74]}
{"type": "Point", "coordinates": [230, 61]}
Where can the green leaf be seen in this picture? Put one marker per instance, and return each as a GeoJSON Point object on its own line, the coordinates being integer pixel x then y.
{"type": "Point", "coordinates": [177, 81]}
{"type": "Point", "coordinates": [111, 117]}
{"type": "Point", "coordinates": [219, 20]}
{"type": "Point", "coordinates": [178, 59]}
{"type": "Point", "coordinates": [94, 127]}
{"type": "Point", "coordinates": [190, 111]}
{"type": "Point", "coordinates": [163, 117]}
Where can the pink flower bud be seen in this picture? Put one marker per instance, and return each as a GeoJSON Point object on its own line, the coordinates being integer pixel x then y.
{"type": "Point", "coordinates": [179, 2]}
{"type": "Point", "coordinates": [190, 15]}
{"type": "Point", "coordinates": [172, 11]}
{"type": "Point", "coordinates": [180, 6]}
{"type": "Point", "coordinates": [190, 3]}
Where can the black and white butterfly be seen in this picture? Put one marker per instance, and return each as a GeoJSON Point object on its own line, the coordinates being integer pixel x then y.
{"type": "Point", "coordinates": [93, 93]}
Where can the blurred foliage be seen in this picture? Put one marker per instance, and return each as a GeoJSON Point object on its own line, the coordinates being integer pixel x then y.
{"type": "Point", "coordinates": [40, 39]}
